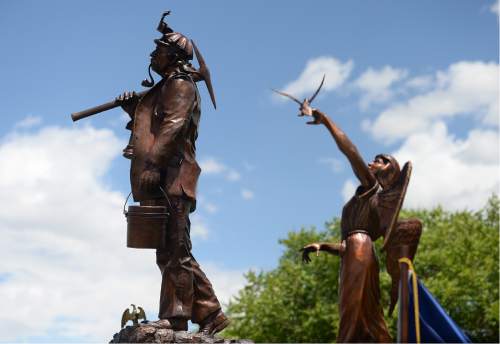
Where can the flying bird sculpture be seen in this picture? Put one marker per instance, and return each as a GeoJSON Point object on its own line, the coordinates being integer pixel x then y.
{"type": "Point", "coordinates": [305, 105]}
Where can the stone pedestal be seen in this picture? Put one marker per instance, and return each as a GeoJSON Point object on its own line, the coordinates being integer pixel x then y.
{"type": "Point", "coordinates": [148, 333]}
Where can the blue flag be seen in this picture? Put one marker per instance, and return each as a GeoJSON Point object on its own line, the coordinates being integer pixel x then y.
{"type": "Point", "coordinates": [435, 325]}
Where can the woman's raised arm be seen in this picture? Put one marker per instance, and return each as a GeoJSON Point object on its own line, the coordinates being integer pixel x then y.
{"type": "Point", "coordinates": [345, 145]}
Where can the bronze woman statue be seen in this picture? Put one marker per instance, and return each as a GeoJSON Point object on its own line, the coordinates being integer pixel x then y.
{"type": "Point", "coordinates": [361, 314]}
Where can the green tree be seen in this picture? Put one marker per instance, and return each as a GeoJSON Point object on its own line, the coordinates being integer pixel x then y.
{"type": "Point", "coordinates": [457, 260]}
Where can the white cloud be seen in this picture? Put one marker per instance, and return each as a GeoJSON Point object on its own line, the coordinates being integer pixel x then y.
{"type": "Point", "coordinates": [348, 190]}
{"type": "Point", "coordinates": [47, 169]}
{"type": "Point", "coordinates": [334, 164]}
{"type": "Point", "coordinates": [119, 121]}
{"type": "Point", "coordinates": [28, 122]}
{"type": "Point", "coordinates": [465, 88]}
{"type": "Point", "coordinates": [233, 175]}
{"type": "Point", "coordinates": [213, 166]}
{"type": "Point", "coordinates": [420, 83]}
{"type": "Point", "coordinates": [208, 206]}
{"type": "Point", "coordinates": [308, 81]}
{"type": "Point", "coordinates": [199, 229]}
{"type": "Point", "coordinates": [67, 270]}
{"type": "Point", "coordinates": [376, 84]}
{"type": "Point", "coordinates": [494, 7]}
{"type": "Point", "coordinates": [211, 208]}
{"type": "Point", "coordinates": [456, 174]}
{"type": "Point", "coordinates": [247, 194]}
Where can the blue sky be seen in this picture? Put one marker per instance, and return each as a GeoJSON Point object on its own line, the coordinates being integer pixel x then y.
{"type": "Point", "coordinates": [416, 79]}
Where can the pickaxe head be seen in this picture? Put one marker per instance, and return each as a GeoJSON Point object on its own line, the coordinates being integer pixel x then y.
{"type": "Point", "coordinates": [204, 73]}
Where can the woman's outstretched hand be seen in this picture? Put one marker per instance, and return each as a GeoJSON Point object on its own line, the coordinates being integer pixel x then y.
{"type": "Point", "coordinates": [314, 247]}
{"type": "Point", "coordinates": [307, 110]}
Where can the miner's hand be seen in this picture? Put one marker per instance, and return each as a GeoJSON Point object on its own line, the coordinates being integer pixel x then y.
{"type": "Point", "coordinates": [150, 179]}
{"type": "Point", "coordinates": [315, 247]}
{"type": "Point", "coordinates": [128, 101]}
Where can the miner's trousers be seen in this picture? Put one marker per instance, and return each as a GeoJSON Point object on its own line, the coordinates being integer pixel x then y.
{"type": "Point", "coordinates": [186, 293]}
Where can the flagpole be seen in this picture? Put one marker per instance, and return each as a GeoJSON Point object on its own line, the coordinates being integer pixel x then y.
{"type": "Point", "coordinates": [403, 316]}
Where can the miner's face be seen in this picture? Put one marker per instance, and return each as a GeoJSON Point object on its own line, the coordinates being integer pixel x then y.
{"type": "Point", "coordinates": [161, 58]}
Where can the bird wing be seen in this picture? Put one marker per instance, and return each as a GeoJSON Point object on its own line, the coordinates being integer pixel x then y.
{"type": "Point", "coordinates": [142, 314]}
{"type": "Point", "coordinates": [288, 95]}
{"type": "Point", "coordinates": [390, 202]}
{"type": "Point", "coordinates": [126, 316]}
{"type": "Point", "coordinates": [317, 91]}
{"type": "Point", "coordinates": [406, 232]}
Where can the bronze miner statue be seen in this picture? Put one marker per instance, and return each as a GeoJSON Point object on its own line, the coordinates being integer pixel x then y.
{"type": "Point", "coordinates": [162, 149]}
{"type": "Point", "coordinates": [370, 214]}
{"type": "Point", "coordinates": [163, 175]}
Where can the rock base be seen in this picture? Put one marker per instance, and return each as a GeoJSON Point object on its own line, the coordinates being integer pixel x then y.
{"type": "Point", "coordinates": [146, 333]}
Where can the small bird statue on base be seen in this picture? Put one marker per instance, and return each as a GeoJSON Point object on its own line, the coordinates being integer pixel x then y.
{"type": "Point", "coordinates": [136, 314]}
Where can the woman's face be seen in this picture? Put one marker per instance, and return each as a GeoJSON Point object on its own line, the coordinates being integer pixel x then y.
{"type": "Point", "coordinates": [378, 164]}
{"type": "Point", "coordinates": [385, 169]}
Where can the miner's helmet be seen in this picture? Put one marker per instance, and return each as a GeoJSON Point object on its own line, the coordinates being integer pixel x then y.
{"type": "Point", "coordinates": [183, 45]}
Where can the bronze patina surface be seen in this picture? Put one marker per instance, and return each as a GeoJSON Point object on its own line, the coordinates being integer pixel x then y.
{"type": "Point", "coordinates": [370, 214]}
{"type": "Point", "coordinates": [164, 173]}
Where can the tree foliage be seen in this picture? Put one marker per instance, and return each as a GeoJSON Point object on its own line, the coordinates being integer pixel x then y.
{"type": "Point", "coordinates": [457, 260]}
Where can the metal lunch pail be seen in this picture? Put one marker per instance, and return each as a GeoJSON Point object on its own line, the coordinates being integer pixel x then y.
{"type": "Point", "coordinates": [146, 225]}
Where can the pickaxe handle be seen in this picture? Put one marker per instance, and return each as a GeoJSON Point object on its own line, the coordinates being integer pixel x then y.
{"type": "Point", "coordinates": [76, 116]}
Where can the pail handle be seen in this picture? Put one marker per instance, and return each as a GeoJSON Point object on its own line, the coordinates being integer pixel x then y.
{"type": "Point", "coordinates": [165, 194]}
{"type": "Point", "coordinates": [125, 204]}
{"type": "Point", "coordinates": [130, 193]}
